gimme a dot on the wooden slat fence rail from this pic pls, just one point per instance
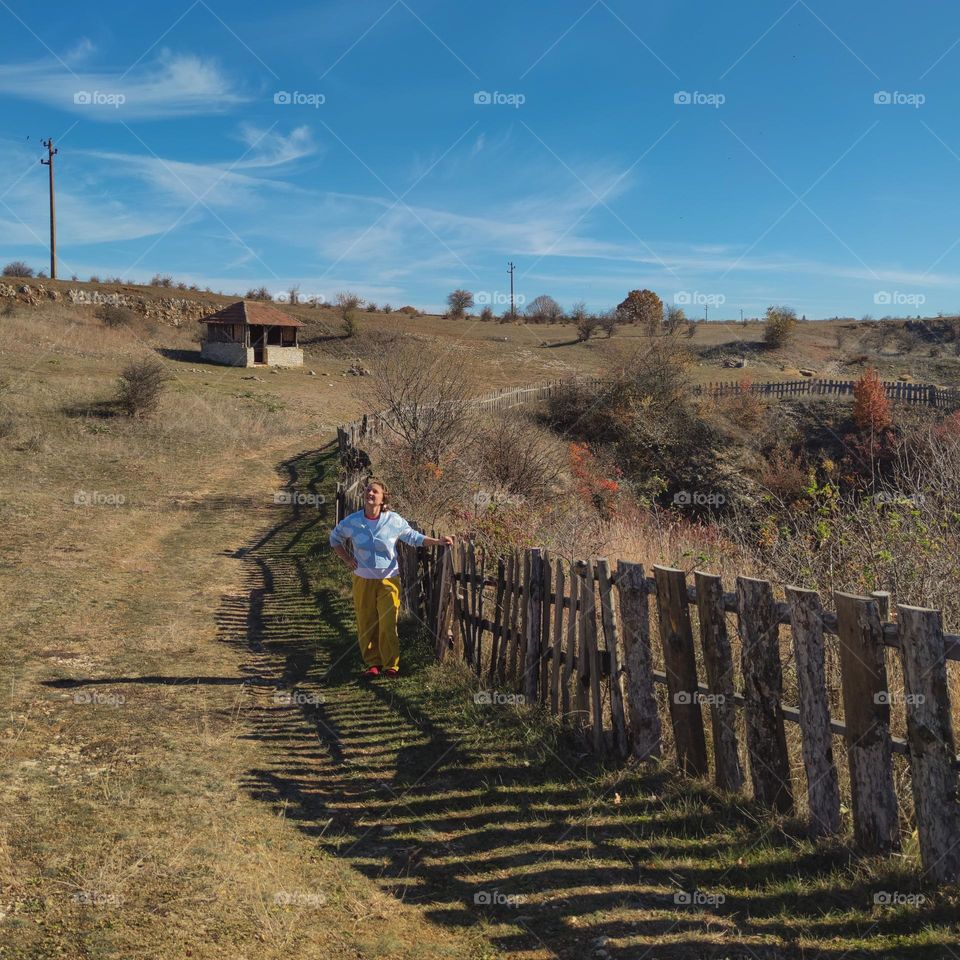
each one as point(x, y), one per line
point(575, 638)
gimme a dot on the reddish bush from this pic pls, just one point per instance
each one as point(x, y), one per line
point(593, 483)
point(871, 407)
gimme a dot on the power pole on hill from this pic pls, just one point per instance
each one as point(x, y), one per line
point(513, 308)
point(51, 153)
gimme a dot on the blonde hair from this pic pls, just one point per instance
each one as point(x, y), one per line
point(377, 482)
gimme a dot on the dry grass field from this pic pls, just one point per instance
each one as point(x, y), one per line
point(190, 769)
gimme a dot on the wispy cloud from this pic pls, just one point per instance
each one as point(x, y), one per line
point(174, 85)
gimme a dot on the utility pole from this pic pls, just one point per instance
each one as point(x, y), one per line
point(706, 312)
point(513, 309)
point(51, 153)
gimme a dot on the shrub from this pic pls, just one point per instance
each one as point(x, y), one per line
point(258, 293)
point(114, 315)
point(17, 268)
point(347, 304)
point(161, 280)
point(372, 307)
point(459, 302)
point(871, 406)
point(387, 308)
point(94, 279)
point(608, 322)
point(780, 324)
point(486, 313)
point(141, 386)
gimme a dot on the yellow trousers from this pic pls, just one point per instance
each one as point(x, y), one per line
point(377, 603)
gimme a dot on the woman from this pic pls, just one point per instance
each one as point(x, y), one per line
point(374, 532)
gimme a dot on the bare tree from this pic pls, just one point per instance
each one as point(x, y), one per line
point(544, 309)
point(459, 302)
point(294, 295)
point(607, 321)
point(17, 268)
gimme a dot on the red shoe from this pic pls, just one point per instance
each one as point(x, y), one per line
point(372, 672)
point(392, 672)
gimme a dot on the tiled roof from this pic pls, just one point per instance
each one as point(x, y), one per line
point(252, 312)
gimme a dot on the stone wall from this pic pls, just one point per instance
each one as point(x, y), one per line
point(284, 356)
point(227, 354)
point(176, 311)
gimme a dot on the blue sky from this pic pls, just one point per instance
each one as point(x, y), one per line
point(724, 155)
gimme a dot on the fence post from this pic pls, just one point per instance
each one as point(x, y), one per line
point(570, 658)
point(445, 587)
point(645, 731)
point(823, 787)
point(546, 651)
point(763, 694)
point(557, 640)
point(496, 634)
point(533, 624)
point(676, 637)
point(589, 601)
point(930, 735)
point(612, 639)
point(718, 661)
point(866, 709)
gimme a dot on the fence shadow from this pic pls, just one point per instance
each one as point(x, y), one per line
point(492, 822)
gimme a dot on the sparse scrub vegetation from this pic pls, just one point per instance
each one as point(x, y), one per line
point(17, 268)
point(458, 303)
point(779, 327)
point(141, 386)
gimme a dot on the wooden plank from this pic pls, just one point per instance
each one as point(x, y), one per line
point(497, 633)
point(570, 655)
point(478, 604)
point(823, 786)
point(533, 624)
point(588, 598)
point(930, 735)
point(763, 694)
point(507, 651)
point(516, 616)
point(557, 639)
point(582, 700)
point(718, 660)
point(676, 636)
point(645, 731)
point(546, 570)
point(444, 604)
point(461, 603)
point(866, 711)
point(612, 641)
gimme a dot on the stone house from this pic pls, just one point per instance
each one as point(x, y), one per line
point(248, 332)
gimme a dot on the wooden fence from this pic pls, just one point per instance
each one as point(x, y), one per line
point(578, 638)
